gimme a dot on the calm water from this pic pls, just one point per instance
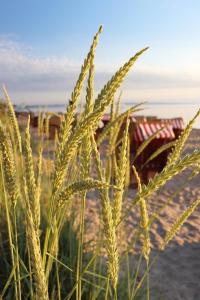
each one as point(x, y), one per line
point(186, 111)
point(159, 109)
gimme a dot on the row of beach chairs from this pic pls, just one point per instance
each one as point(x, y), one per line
point(140, 130)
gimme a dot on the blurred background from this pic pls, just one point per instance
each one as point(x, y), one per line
point(43, 44)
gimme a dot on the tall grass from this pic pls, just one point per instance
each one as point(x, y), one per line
point(45, 253)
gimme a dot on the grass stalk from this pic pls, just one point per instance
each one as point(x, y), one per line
point(9, 225)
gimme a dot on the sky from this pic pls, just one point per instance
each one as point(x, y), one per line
point(43, 44)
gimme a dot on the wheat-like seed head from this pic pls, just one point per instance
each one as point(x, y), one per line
point(127, 179)
point(80, 186)
point(66, 125)
point(179, 222)
point(86, 144)
point(71, 147)
point(120, 178)
point(91, 121)
point(13, 120)
point(9, 167)
point(64, 153)
point(179, 144)
point(110, 238)
point(39, 123)
point(85, 156)
point(30, 178)
point(160, 179)
point(113, 84)
point(108, 224)
point(90, 85)
point(117, 110)
point(195, 171)
point(119, 119)
point(144, 218)
point(114, 130)
point(38, 187)
point(111, 140)
point(47, 125)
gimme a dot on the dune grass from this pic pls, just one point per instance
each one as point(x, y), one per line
point(44, 249)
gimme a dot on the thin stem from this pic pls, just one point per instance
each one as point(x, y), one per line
point(80, 248)
point(30, 272)
point(17, 252)
point(148, 287)
point(10, 235)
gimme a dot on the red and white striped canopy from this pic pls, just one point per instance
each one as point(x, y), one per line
point(177, 123)
point(145, 130)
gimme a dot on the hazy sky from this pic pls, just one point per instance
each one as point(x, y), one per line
point(43, 43)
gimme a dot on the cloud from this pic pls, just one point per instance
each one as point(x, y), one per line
point(18, 64)
point(33, 79)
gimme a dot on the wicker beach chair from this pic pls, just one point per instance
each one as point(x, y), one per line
point(142, 131)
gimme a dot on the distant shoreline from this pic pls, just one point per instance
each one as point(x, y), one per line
point(160, 109)
point(123, 104)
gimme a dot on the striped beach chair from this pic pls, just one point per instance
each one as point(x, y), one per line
point(177, 124)
point(142, 131)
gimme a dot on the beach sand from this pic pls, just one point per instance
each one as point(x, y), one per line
point(176, 273)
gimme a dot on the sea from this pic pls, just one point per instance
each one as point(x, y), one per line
point(186, 110)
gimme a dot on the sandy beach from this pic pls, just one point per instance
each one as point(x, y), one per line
point(176, 272)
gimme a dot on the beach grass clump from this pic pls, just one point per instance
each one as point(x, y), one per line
point(45, 249)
